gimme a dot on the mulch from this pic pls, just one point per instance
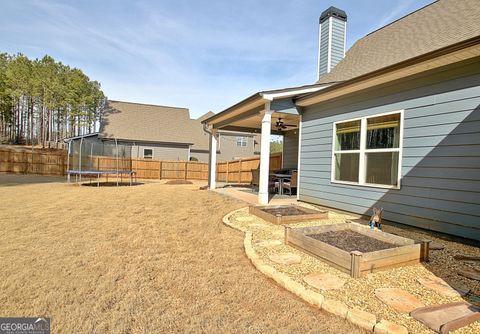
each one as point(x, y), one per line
point(352, 241)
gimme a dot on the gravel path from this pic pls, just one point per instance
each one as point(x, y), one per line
point(147, 259)
point(360, 293)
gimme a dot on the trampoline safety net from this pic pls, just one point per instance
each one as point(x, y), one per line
point(92, 155)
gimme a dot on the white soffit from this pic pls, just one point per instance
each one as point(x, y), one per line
point(272, 96)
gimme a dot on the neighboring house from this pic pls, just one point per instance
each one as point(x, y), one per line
point(232, 144)
point(396, 124)
point(155, 132)
point(167, 133)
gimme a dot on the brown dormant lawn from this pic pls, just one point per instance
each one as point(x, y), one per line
point(145, 259)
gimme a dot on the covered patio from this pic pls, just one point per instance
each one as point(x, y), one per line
point(268, 113)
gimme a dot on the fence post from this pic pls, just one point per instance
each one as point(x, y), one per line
point(226, 177)
point(64, 164)
point(186, 170)
point(239, 171)
point(160, 170)
point(25, 154)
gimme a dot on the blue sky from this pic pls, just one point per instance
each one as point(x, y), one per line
point(204, 55)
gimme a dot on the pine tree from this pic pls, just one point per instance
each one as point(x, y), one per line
point(43, 100)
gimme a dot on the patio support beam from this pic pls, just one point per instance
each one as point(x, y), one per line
point(213, 160)
point(265, 154)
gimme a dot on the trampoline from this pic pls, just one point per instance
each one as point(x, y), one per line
point(92, 158)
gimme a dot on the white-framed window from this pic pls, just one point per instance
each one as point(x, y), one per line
point(242, 141)
point(148, 153)
point(367, 151)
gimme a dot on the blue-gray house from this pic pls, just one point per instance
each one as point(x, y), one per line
point(395, 124)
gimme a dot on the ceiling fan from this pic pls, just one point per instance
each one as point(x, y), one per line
point(282, 126)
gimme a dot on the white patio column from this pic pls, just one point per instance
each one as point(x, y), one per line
point(213, 160)
point(265, 155)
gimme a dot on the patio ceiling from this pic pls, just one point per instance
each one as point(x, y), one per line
point(253, 123)
point(247, 114)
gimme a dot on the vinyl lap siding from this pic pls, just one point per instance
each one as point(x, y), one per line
point(338, 40)
point(200, 155)
point(440, 186)
point(227, 145)
point(323, 62)
point(290, 149)
point(161, 151)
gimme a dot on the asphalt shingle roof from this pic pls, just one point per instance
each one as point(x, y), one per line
point(145, 122)
point(438, 25)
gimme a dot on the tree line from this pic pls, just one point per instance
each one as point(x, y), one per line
point(44, 101)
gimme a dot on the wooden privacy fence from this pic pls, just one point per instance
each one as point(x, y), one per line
point(32, 162)
point(158, 169)
point(45, 162)
point(240, 170)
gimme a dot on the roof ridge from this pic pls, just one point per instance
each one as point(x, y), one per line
point(400, 18)
point(148, 104)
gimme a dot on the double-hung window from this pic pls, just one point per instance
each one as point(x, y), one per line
point(367, 151)
point(242, 141)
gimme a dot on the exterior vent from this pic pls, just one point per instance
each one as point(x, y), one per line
point(331, 39)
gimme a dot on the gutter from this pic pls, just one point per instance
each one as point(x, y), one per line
point(205, 127)
point(207, 130)
point(268, 96)
point(81, 136)
point(244, 101)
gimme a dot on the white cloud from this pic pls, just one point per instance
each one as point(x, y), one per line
point(201, 55)
point(403, 7)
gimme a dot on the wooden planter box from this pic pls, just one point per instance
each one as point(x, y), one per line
point(357, 263)
point(307, 214)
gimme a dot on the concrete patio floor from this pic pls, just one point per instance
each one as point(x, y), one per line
point(247, 195)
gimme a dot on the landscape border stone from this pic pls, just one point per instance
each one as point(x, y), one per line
point(357, 317)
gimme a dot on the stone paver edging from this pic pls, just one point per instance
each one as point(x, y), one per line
point(358, 317)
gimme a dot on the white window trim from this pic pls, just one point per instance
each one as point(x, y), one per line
point(241, 140)
point(362, 152)
point(147, 148)
point(329, 51)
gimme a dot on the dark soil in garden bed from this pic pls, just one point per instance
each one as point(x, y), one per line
point(285, 211)
point(348, 240)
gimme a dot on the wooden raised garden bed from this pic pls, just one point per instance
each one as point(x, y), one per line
point(356, 249)
point(286, 214)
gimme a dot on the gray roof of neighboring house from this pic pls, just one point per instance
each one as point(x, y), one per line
point(438, 25)
point(201, 138)
point(146, 122)
point(205, 116)
point(153, 123)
